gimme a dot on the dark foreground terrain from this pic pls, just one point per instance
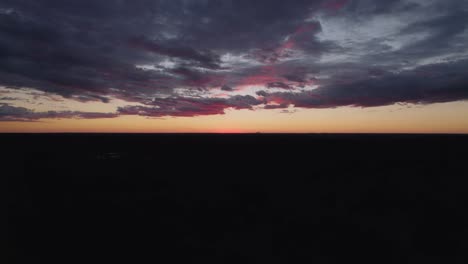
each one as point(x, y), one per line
point(236, 198)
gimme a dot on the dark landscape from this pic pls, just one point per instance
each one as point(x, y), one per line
point(273, 198)
point(230, 68)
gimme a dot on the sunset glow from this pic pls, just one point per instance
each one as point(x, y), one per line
point(323, 66)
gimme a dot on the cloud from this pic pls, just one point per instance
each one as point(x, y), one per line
point(189, 107)
point(13, 113)
point(6, 98)
point(202, 59)
point(227, 88)
point(280, 85)
point(280, 106)
point(444, 82)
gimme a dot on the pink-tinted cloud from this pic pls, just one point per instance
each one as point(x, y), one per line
point(270, 74)
point(188, 107)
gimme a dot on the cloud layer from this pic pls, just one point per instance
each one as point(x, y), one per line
point(191, 58)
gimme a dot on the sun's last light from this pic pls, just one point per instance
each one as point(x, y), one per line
point(434, 118)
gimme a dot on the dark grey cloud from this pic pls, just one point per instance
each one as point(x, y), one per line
point(204, 59)
point(439, 83)
point(13, 113)
point(280, 106)
point(280, 85)
point(65, 46)
point(97, 50)
point(365, 8)
point(227, 88)
point(6, 98)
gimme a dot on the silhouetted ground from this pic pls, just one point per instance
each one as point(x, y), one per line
point(236, 198)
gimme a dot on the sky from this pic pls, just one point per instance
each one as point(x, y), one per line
point(234, 66)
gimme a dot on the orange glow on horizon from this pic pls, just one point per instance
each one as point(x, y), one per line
point(435, 118)
point(228, 131)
